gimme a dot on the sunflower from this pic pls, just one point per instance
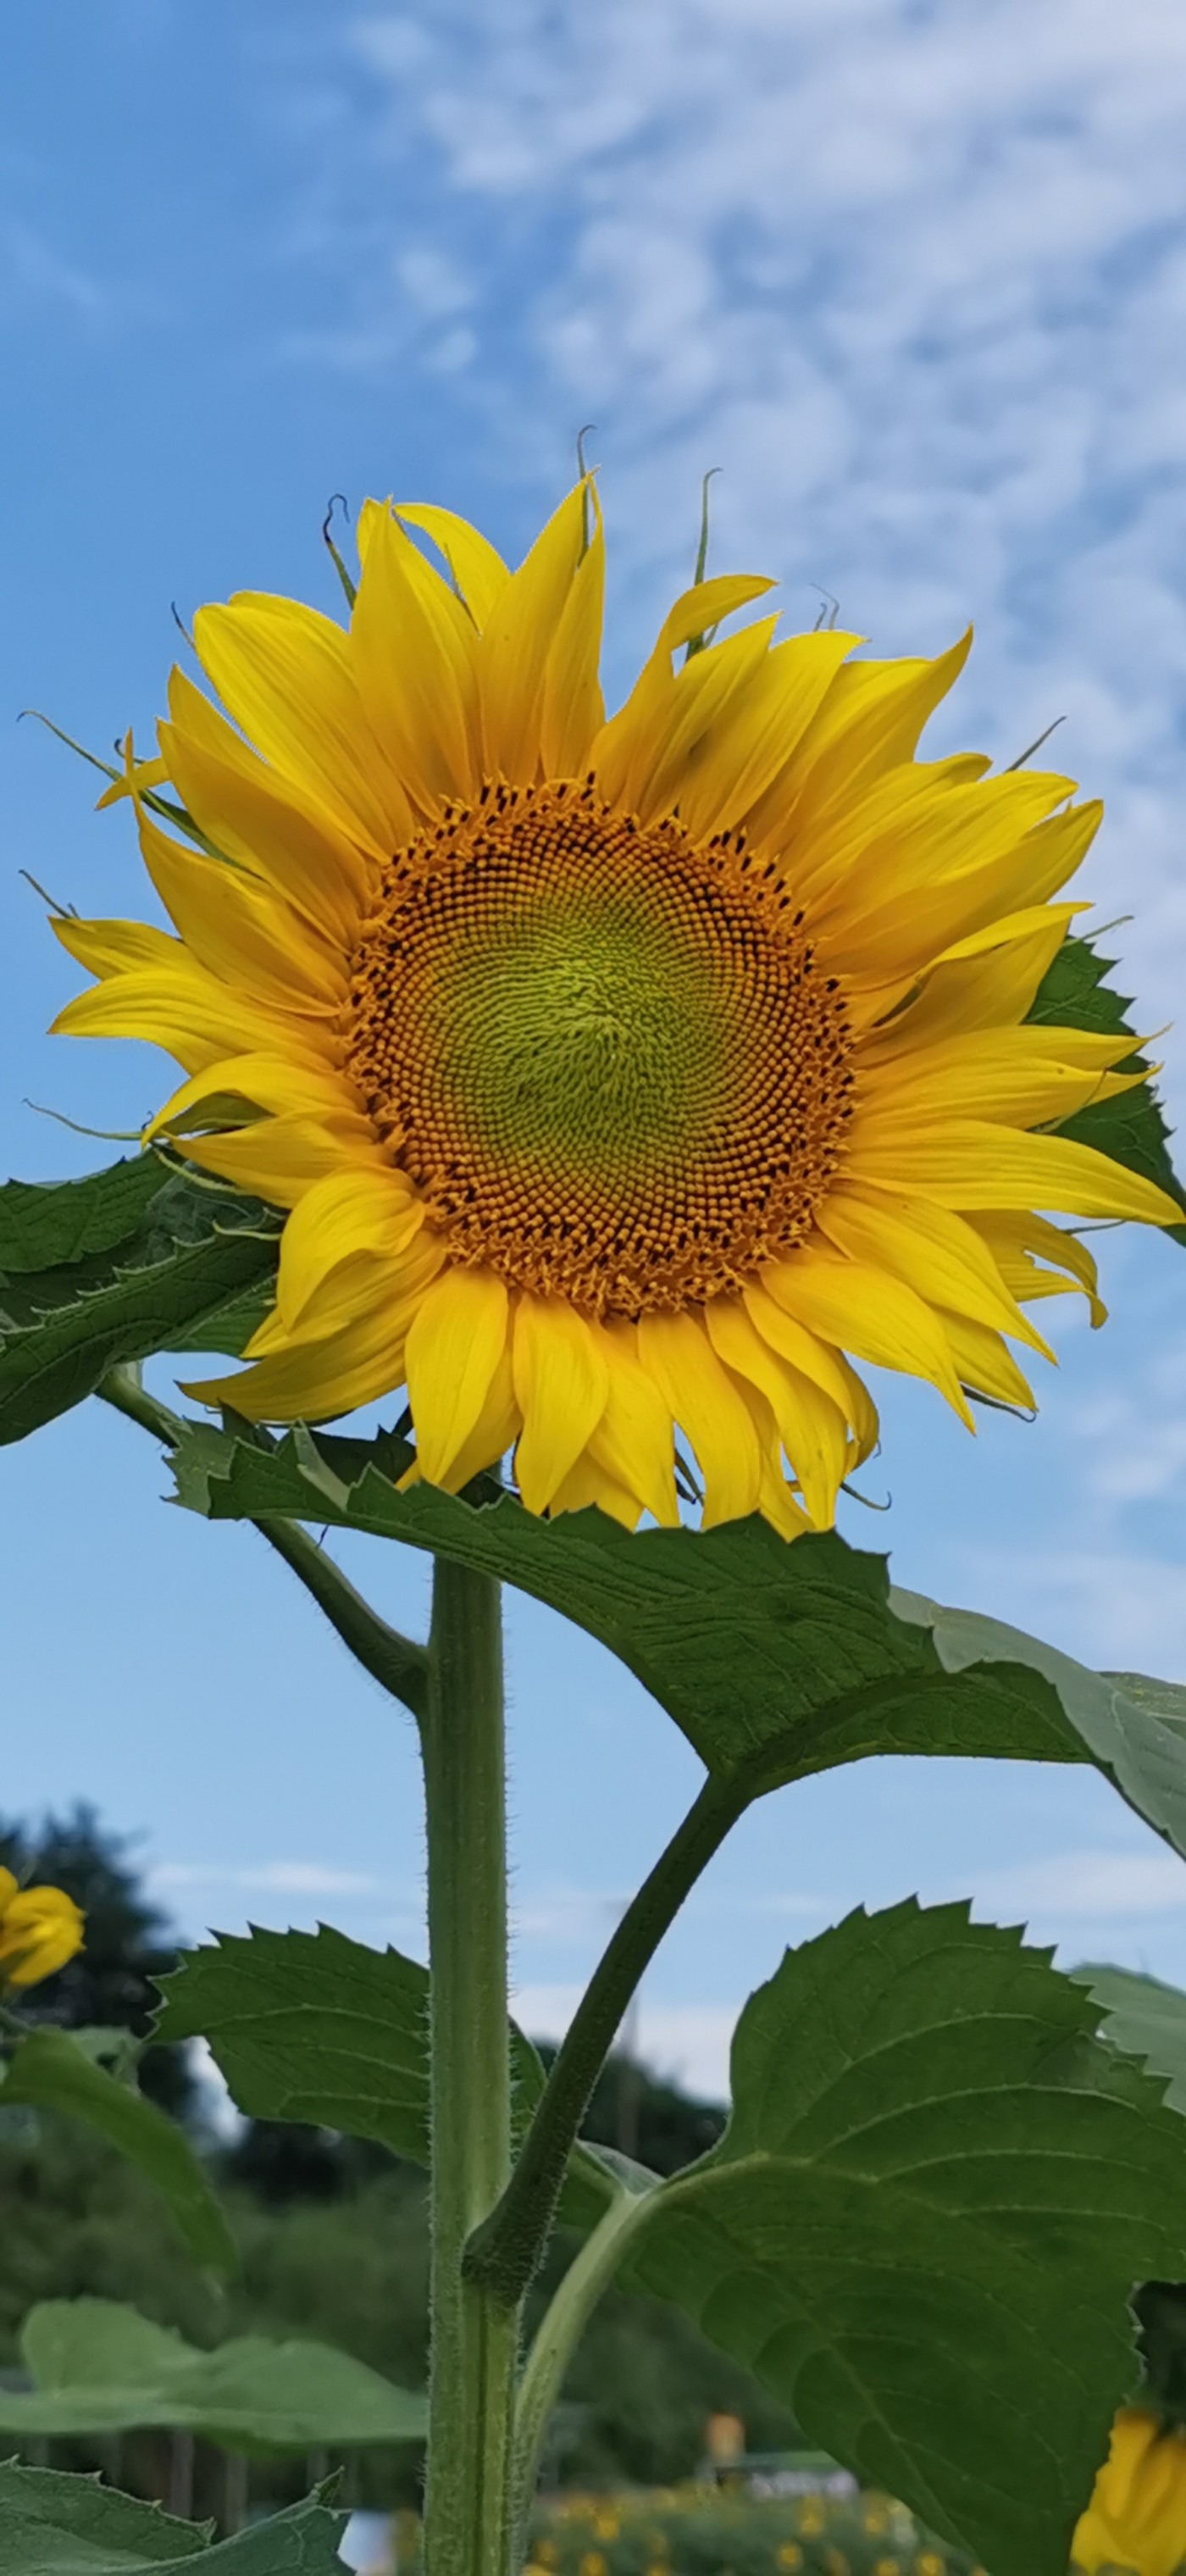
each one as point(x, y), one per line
point(620, 1080)
point(1135, 2524)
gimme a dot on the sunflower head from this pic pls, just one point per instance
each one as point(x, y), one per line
point(41, 1928)
point(622, 1082)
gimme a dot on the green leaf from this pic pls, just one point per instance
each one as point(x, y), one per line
point(53, 2524)
point(136, 1260)
point(311, 2026)
point(775, 1660)
point(1130, 1128)
point(97, 2367)
point(925, 2218)
point(48, 2072)
point(1144, 2017)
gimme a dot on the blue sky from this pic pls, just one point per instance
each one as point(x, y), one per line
point(914, 277)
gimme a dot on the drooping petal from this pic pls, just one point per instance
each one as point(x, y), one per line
point(811, 1426)
point(239, 931)
point(865, 1311)
point(1019, 1243)
point(934, 1251)
point(280, 1158)
point(634, 1440)
point(455, 1346)
point(702, 1400)
point(363, 1210)
point(562, 1387)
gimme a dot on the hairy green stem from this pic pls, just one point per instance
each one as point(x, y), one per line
point(396, 1662)
point(557, 2337)
point(507, 2249)
point(474, 2336)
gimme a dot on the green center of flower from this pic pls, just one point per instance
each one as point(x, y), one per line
point(604, 1053)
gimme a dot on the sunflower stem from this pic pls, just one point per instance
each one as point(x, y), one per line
point(468, 2503)
point(505, 2252)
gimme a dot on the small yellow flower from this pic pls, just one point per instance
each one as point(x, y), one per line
point(607, 2524)
point(811, 2517)
point(40, 1928)
point(929, 2563)
point(594, 2563)
point(790, 2556)
point(875, 2520)
point(887, 2567)
point(1136, 2520)
point(836, 2564)
point(546, 2553)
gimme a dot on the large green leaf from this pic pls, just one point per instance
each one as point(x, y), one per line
point(49, 2072)
point(924, 2221)
point(130, 1261)
point(311, 2026)
point(97, 2367)
point(1131, 1128)
point(1144, 2017)
point(775, 1660)
point(53, 2524)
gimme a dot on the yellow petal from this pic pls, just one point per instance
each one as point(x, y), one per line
point(590, 1483)
point(520, 633)
point(454, 1348)
point(572, 711)
point(810, 1426)
point(985, 1364)
point(8, 1888)
point(192, 1015)
point(269, 1082)
point(701, 1398)
point(478, 571)
point(240, 932)
point(883, 936)
point(869, 723)
point(633, 733)
point(930, 1248)
point(304, 858)
point(139, 775)
point(115, 947)
point(990, 985)
point(280, 1158)
point(962, 1163)
point(1024, 1077)
point(286, 675)
point(704, 697)
point(496, 1430)
point(634, 1441)
point(760, 731)
point(1019, 1242)
point(363, 1210)
point(317, 1380)
point(414, 653)
point(864, 1310)
point(562, 1385)
point(367, 1284)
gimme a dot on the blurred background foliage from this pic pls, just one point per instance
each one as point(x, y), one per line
point(332, 2231)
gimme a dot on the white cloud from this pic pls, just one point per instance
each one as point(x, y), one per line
point(1100, 1886)
point(273, 1877)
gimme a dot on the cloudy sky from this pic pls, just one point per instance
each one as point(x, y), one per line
point(912, 274)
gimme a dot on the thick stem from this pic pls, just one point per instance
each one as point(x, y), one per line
point(474, 2335)
point(558, 2335)
point(505, 2253)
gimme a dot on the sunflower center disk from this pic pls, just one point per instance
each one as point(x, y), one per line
point(605, 1054)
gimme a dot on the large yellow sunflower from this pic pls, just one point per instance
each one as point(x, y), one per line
point(620, 1078)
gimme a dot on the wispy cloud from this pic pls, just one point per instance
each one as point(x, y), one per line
point(36, 279)
point(1068, 1887)
point(273, 1877)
